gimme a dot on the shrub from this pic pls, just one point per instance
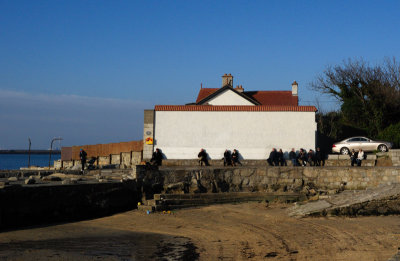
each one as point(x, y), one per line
point(392, 134)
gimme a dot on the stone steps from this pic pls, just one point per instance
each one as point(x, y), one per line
point(177, 201)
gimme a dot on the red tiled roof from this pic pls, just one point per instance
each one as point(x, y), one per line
point(204, 92)
point(233, 108)
point(274, 97)
point(263, 97)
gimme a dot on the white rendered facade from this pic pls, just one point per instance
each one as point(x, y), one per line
point(181, 134)
point(229, 97)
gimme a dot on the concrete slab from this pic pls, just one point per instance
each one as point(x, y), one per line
point(381, 200)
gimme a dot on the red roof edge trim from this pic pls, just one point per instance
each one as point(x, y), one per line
point(234, 108)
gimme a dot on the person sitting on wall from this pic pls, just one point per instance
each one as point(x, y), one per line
point(281, 158)
point(235, 158)
point(82, 156)
point(91, 163)
point(157, 157)
point(353, 157)
point(303, 157)
point(203, 158)
point(293, 157)
point(311, 157)
point(227, 158)
point(273, 158)
point(319, 157)
point(360, 157)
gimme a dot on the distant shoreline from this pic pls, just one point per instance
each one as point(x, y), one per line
point(27, 152)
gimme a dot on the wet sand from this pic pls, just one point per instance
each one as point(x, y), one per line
point(248, 231)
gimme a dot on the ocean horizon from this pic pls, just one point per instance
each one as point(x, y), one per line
point(17, 161)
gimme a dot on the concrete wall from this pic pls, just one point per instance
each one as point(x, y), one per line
point(115, 159)
point(181, 134)
point(72, 153)
point(124, 160)
point(148, 132)
point(229, 98)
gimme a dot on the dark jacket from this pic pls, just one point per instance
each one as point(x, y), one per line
point(292, 155)
point(82, 155)
point(202, 155)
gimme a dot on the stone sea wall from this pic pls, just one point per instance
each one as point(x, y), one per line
point(262, 178)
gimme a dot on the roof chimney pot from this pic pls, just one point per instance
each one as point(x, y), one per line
point(227, 80)
point(239, 88)
point(295, 87)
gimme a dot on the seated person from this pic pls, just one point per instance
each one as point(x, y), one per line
point(360, 157)
point(281, 158)
point(319, 157)
point(235, 157)
point(311, 157)
point(353, 157)
point(303, 157)
point(203, 158)
point(273, 158)
point(156, 158)
point(293, 157)
point(227, 158)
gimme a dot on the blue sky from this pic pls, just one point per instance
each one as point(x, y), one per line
point(86, 70)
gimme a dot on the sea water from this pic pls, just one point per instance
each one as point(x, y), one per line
point(17, 161)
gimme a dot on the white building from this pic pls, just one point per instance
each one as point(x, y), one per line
point(252, 122)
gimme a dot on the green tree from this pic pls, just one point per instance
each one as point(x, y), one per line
point(369, 95)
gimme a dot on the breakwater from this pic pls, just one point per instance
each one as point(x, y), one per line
point(23, 205)
point(31, 152)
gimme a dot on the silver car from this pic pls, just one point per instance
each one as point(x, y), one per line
point(356, 143)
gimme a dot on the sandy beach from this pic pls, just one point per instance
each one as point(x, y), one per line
point(248, 231)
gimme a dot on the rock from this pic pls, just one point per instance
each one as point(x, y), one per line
point(12, 179)
point(69, 181)
point(30, 181)
point(312, 192)
point(332, 192)
point(77, 167)
point(51, 178)
point(314, 198)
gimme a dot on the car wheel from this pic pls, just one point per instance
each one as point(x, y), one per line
point(382, 148)
point(344, 151)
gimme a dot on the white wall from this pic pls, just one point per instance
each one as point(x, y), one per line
point(181, 134)
point(229, 97)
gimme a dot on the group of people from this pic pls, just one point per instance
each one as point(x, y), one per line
point(303, 158)
point(230, 159)
point(357, 157)
point(276, 158)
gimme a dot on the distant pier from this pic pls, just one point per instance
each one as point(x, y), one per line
point(27, 151)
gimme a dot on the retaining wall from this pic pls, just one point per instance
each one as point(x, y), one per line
point(262, 178)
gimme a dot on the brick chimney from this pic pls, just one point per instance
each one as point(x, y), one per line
point(239, 88)
point(227, 79)
point(295, 87)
